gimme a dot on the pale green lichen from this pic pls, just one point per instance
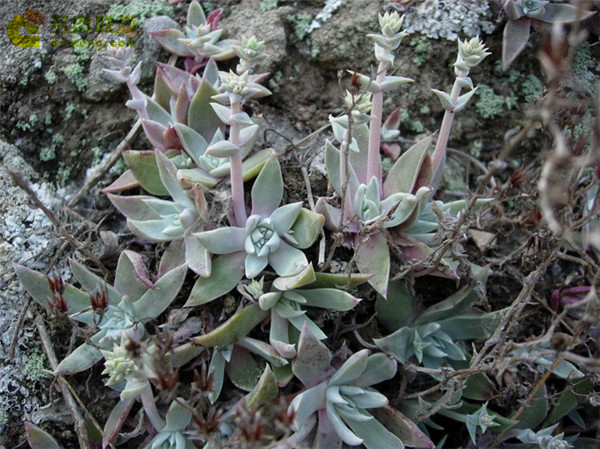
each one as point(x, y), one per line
point(490, 104)
point(50, 77)
point(58, 139)
point(532, 88)
point(74, 73)
point(268, 5)
point(69, 109)
point(35, 364)
point(141, 9)
point(47, 154)
point(421, 46)
point(300, 24)
point(63, 173)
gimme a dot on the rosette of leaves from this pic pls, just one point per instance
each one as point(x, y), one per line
point(524, 13)
point(173, 434)
point(341, 404)
point(108, 310)
point(175, 221)
point(272, 235)
point(200, 39)
point(432, 336)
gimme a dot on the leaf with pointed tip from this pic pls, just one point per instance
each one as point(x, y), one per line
point(81, 359)
point(393, 82)
point(223, 240)
point(234, 329)
point(373, 257)
point(155, 133)
point(267, 190)
point(402, 427)
point(115, 421)
point(307, 228)
point(307, 403)
point(313, 360)
point(463, 100)
point(143, 166)
point(195, 15)
point(222, 148)
point(264, 350)
point(329, 298)
point(197, 257)
point(379, 368)
point(287, 260)
point(194, 144)
point(341, 428)
point(445, 99)
point(339, 280)
point(303, 278)
point(514, 39)
point(405, 172)
point(169, 40)
point(398, 309)
point(201, 115)
point(168, 176)
point(39, 439)
point(216, 367)
point(124, 182)
point(242, 369)
point(155, 301)
point(563, 13)
point(351, 369)
point(132, 278)
point(466, 327)
point(265, 390)
point(332, 215)
point(38, 287)
point(92, 283)
point(157, 114)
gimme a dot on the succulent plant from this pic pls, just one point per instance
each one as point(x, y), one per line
point(340, 401)
point(269, 236)
point(523, 13)
point(200, 40)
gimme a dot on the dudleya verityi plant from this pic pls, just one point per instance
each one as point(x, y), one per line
point(342, 404)
point(269, 236)
point(200, 40)
point(109, 310)
point(522, 14)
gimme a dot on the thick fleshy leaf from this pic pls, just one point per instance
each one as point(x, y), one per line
point(300, 321)
point(38, 287)
point(373, 257)
point(81, 359)
point(39, 439)
point(287, 260)
point(242, 369)
point(201, 116)
point(307, 228)
point(157, 114)
point(313, 360)
point(405, 172)
point(563, 13)
point(472, 326)
point(341, 428)
point(362, 398)
point(194, 144)
point(223, 240)
point(402, 427)
point(326, 438)
point(222, 148)
point(193, 176)
point(445, 99)
point(92, 283)
point(138, 208)
point(234, 329)
point(169, 40)
point(115, 421)
point(307, 403)
point(155, 133)
point(514, 39)
point(462, 101)
point(399, 207)
point(226, 272)
point(329, 298)
point(266, 389)
point(197, 257)
point(339, 280)
point(155, 301)
point(279, 336)
point(195, 14)
point(267, 190)
point(124, 182)
point(283, 217)
point(132, 278)
point(178, 416)
point(254, 265)
point(332, 215)
point(168, 175)
point(305, 277)
point(262, 349)
point(152, 230)
point(375, 435)
point(351, 369)
point(143, 166)
point(379, 368)
point(216, 367)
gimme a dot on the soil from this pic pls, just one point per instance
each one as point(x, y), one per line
point(308, 78)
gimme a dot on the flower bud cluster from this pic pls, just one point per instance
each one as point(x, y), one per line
point(235, 85)
point(390, 37)
point(250, 53)
point(118, 362)
point(470, 54)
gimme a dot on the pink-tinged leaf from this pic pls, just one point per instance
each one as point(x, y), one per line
point(115, 421)
point(312, 364)
point(190, 177)
point(406, 430)
point(223, 240)
point(38, 438)
point(163, 91)
point(514, 39)
point(175, 79)
point(169, 40)
point(332, 215)
point(214, 18)
point(326, 438)
point(391, 150)
point(124, 182)
point(132, 278)
point(93, 283)
point(226, 272)
point(351, 369)
point(143, 166)
point(155, 133)
point(155, 301)
point(373, 257)
point(358, 159)
point(410, 169)
point(563, 13)
point(340, 280)
point(134, 207)
point(235, 328)
point(182, 104)
point(197, 257)
point(171, 140)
